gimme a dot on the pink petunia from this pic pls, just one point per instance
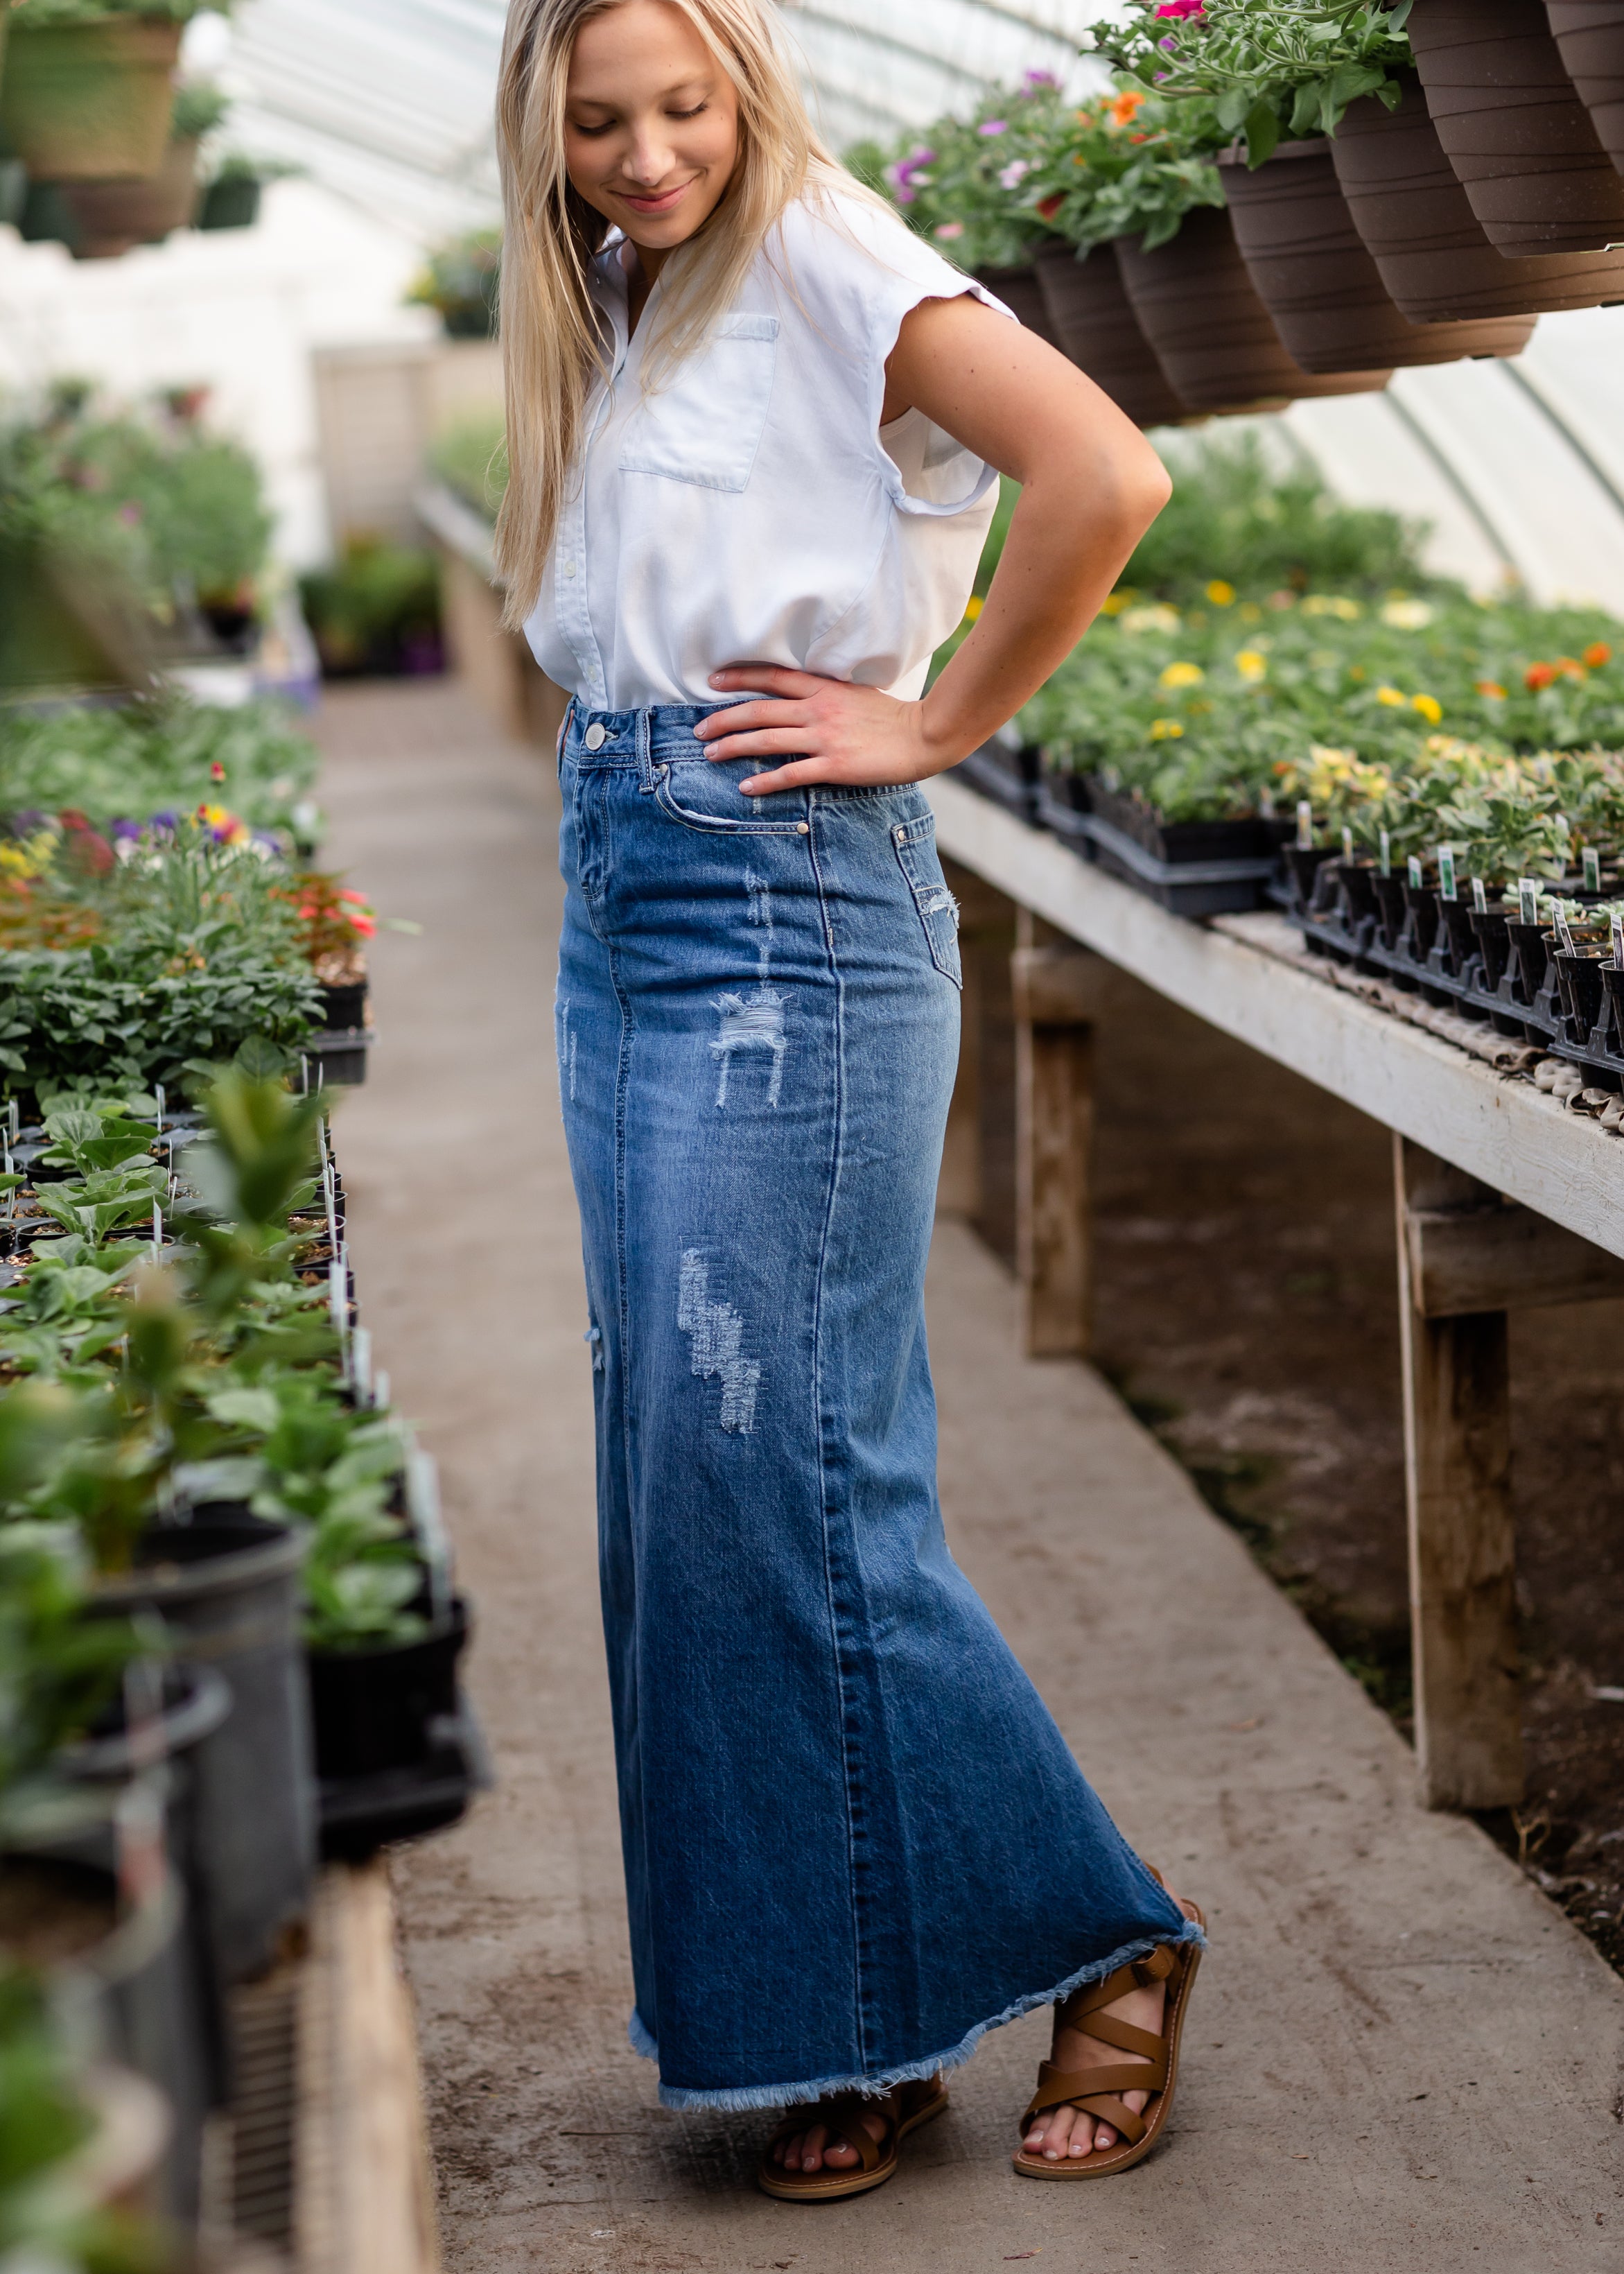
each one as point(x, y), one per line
point(994, 126)
point(1183, 8)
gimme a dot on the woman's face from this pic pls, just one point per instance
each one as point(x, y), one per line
point(652, 122)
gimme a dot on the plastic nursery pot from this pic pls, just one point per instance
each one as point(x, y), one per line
point(1213, 338)
point(1303, 866)
point(1613, 982)
point(1456, 917)
point(110, 217)
point(1579, 984)
point(1494, 944)
point(90, 101)
point(1092, 322)
point(1514, 130)
point(343, 1008)
point(373, 1708)
point(1021, 293)
point(1590, 38)
point(231, 202)
point(1532, 944)
point(1421, 904)
point(1389, 891)
point(1321, 287)
point(1356, 881)
point(122, 1980)
point(227, 1587)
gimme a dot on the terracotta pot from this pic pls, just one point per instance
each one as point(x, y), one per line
point(1417, 220)
point(90, 102)
point(1515, 131)
point(1020, 292)
point(1321, 285)
point(1094, 322)
point(1211, 334)
point(110, 217)
point(1590, 38)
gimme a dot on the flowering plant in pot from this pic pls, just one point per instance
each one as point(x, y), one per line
point(88, 91)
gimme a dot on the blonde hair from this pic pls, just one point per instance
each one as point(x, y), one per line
point(551, 335)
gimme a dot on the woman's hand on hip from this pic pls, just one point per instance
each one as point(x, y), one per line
point(826, 729)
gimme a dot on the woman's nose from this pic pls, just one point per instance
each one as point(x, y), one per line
point(649, 159)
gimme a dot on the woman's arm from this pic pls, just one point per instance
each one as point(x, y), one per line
point(1090, 486)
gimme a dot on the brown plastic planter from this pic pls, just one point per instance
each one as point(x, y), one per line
point(92, 102)
point(112, 216)
point(1589, 37)
point(1092, 322)
point(1211, 334)
point(1515, 131)
point(1321, 285)
point(1429, 246)
point(1021, 293)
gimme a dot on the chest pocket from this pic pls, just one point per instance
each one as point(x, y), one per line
point(704, 425)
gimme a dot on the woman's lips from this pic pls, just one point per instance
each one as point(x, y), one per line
point(663, 203)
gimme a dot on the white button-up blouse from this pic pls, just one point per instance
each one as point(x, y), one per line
point(750, 507)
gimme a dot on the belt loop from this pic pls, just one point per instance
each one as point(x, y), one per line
point(645, 748)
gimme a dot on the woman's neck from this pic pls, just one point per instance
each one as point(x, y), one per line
point(642, 269)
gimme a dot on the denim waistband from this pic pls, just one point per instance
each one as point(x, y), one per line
point(625, 738)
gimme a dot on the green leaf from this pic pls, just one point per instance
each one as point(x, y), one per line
point(1262, 133)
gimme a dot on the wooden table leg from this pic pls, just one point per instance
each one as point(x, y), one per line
point(1056, 990)
point(1463, 1556)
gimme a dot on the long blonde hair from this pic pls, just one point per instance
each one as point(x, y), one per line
point(550, 331)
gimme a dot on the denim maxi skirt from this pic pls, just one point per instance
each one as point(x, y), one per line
point(854, 1838)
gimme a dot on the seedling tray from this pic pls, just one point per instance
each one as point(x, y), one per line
point(1009, 777)
point(359, 1815)
point(1183, 877)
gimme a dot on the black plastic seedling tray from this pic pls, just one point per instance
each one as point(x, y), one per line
point(1191, 869)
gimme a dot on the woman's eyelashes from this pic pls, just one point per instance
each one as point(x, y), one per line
point(603, 125)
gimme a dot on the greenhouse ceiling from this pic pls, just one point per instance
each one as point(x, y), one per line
point(388, 102)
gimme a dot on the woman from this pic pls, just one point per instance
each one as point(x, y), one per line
point(755, 429)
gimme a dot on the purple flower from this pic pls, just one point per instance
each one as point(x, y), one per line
point(126, 828)
point(1036, 79)
point(25, 824)
point(167, 819)
point(994, 126)
point(1012, 176)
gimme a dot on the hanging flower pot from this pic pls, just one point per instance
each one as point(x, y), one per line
point(1417, 220)
point(1589, 36)
point(1211, 334)
point(1022, 295)
point(113, 217)
point(1321, 285)
point(1515, 131)
point(1092, 322)
point(90, 101)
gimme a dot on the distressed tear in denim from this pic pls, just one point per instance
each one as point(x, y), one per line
point(854, 1840)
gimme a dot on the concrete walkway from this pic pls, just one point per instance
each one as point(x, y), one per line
point(1400, 2056)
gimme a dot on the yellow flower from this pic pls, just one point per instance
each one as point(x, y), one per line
point(1114, 603)
point(973, 608)
point(1251, 665)
point(1406, 615)
point(1329, 604)
point(1181, 674)
point(1165, 730)
point(1156, 617)
point(16, 862)
point(215, 816)
point(1431, 709)
point(1250, 613)
point(1220, 594)
point(1391, 697)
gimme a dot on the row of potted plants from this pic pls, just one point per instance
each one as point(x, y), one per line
point(1282, 198)
point(234, 1633)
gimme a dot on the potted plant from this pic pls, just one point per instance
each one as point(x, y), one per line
point(111, 216)
point(462, 281)
point(376, 611)
point(231, 196)
point(1514, 127)
point(1434, 257)
point(1273, 71)
point(88, 89)
point(1589, 36)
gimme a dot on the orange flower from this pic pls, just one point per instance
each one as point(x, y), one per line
point(1491, 687)
point(1538, 675)
point(1126, 109)
point(1570, 667)
point(1598, 654)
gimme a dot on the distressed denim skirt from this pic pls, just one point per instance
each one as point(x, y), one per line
point(854, 1838)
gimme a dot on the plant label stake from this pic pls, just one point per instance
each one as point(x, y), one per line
point(380, 1390)
point(1592, 869)
point(1305, 825)
point(338, 1304)
point(423, 1510)
point(15, 1120)
point(1618, 941)
point(1446, 872)
point(1528, 899)
point(157, 1231)
point(1416, 878)
point(1480, 898)
point(361, 1365)
point(1564, 934)
point(1386, 853)
point(158, 1093)
point(304, 1075)
point(1347, 842)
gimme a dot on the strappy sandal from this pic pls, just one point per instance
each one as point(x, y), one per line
point(841, 2117)
point(1095, 2091)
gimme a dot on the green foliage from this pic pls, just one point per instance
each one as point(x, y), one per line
point(58, 1668)
point(471, 457)
point(1125, 165)
point(369, 612)
point(198, 108)
point(1233, 514)
point(960, 183)
point(462, 279)
point(160, 756)
point(1271, 67)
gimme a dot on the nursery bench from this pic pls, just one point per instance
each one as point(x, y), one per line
point(1504, 1199)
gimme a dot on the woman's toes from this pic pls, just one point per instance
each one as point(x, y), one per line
point(839, 2155)
point(1104, 2138)
point(1062, 2124)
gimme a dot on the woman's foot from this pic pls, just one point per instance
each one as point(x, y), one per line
point(812, 2150)
point(1066, 2134)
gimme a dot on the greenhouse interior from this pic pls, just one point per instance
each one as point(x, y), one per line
point(1275, 1277)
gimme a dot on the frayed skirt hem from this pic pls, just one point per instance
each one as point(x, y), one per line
point(882, 2081)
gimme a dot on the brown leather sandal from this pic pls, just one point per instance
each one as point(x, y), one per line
point(903, 2111)
point(1095, 2091)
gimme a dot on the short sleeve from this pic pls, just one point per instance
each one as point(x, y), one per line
point(856, 269)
